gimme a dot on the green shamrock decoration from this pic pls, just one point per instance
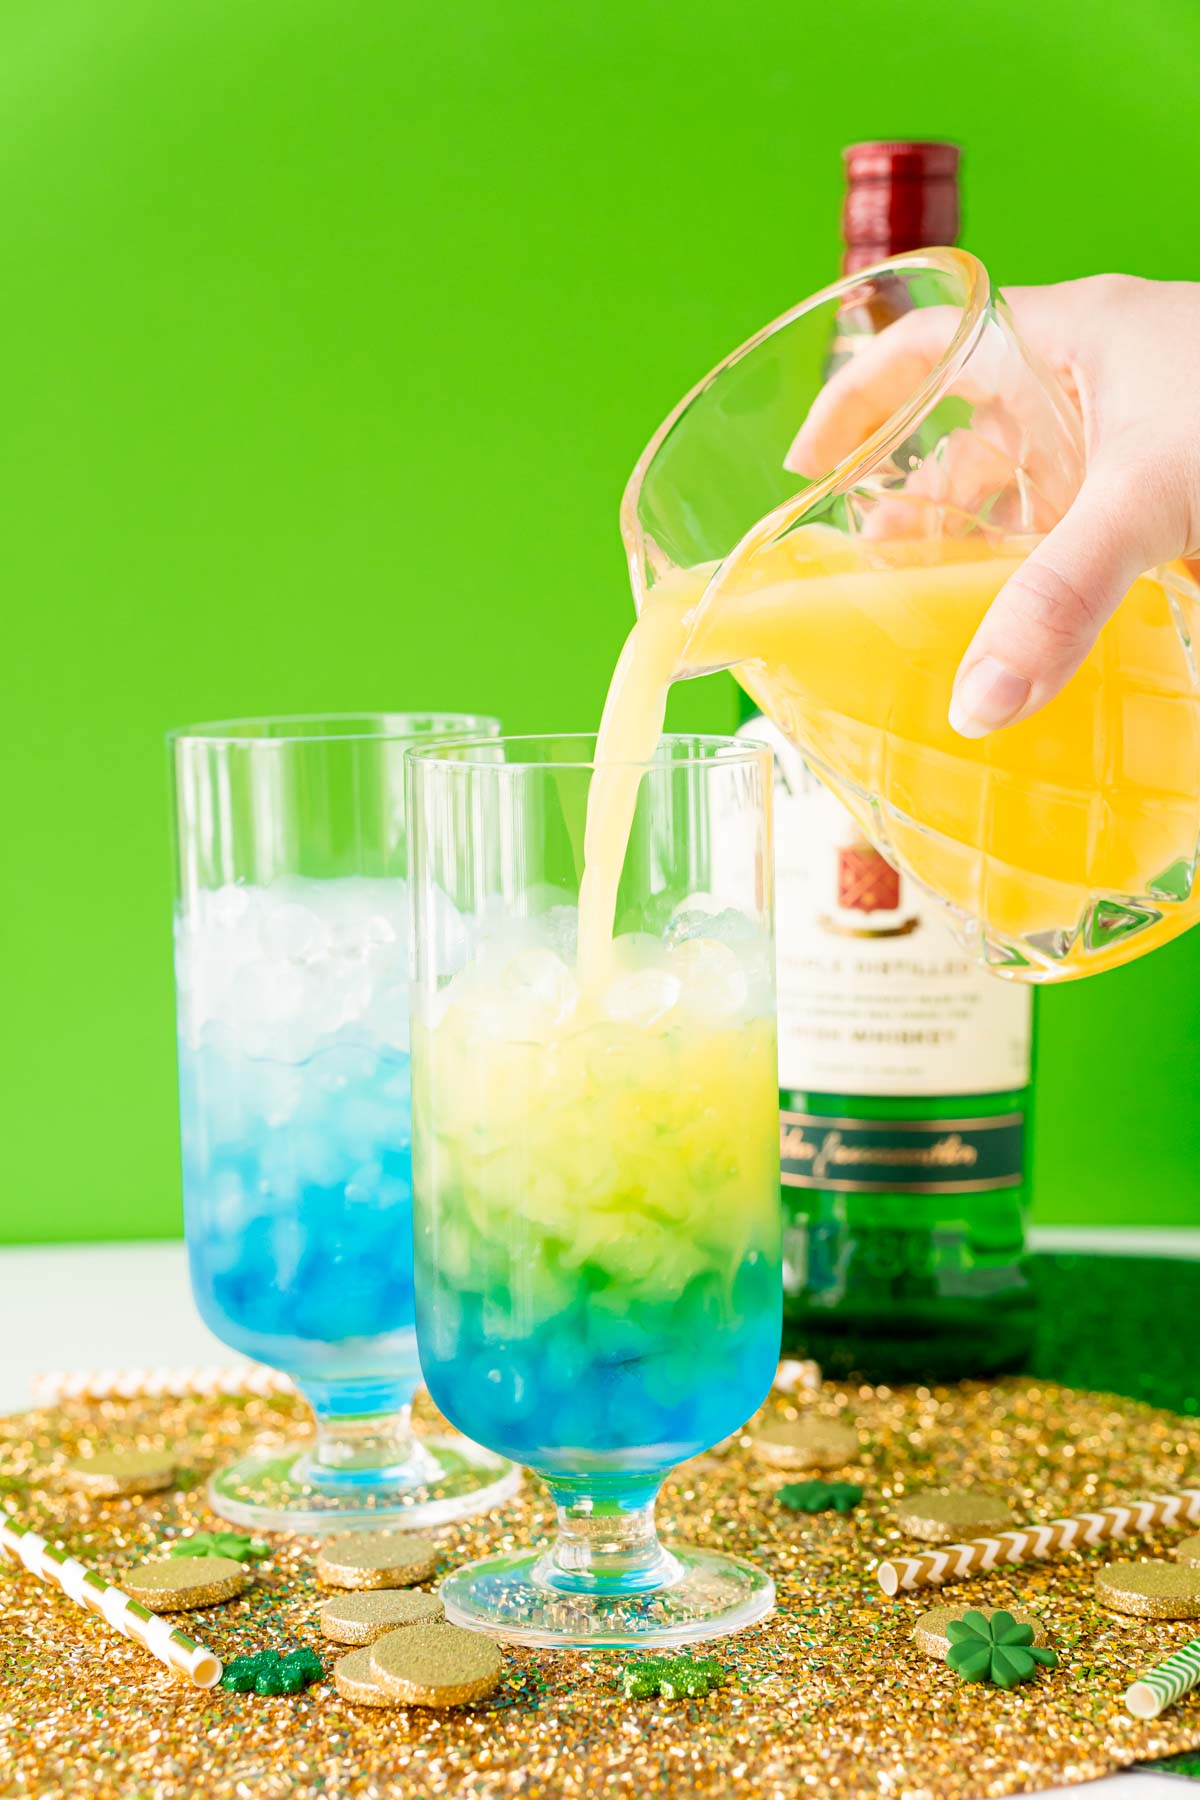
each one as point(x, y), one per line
point(820, 1496)
point(996, 1649)
point(672, 1677)
point(266, 1672)
point(220, 1543)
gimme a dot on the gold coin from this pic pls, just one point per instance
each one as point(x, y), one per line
point(949, 1518)
point(185, 1581)
point(435, 1665)
point(376, 1559)
point(112, 1472)
point(1152, 1590)
point(805, 1443)
point(1188, 1551)
point(929, 1632)
point(354, 1681)
point(361, 1618)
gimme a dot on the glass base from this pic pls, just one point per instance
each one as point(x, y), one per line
point(285, 1489)
point(705, 1595)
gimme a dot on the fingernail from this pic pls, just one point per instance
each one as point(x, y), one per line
point(986, 697)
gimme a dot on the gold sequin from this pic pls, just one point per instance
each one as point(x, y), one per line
point(436, 1665)
point(376, 1559)
point(361, 1618)
point(1189, 1552)
point(828, 1697)
point(1152, 1590)
point(951, 1518)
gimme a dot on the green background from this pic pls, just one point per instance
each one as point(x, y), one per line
point(329, 334)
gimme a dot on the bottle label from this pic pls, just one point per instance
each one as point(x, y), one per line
point(876, 996)
point(920, 1156)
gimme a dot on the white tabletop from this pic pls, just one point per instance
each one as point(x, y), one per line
point(127, 1306)
point(124, 1306)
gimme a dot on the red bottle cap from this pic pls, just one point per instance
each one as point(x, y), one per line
point(900, 195)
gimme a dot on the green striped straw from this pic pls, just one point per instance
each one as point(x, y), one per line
point(86, 1588)
point(1166, 1683)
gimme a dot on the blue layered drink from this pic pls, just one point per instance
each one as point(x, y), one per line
point(294, 1081)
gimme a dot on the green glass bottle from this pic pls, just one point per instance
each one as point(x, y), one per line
point(905, 1071)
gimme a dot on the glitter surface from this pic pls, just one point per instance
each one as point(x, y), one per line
point(829, 1697)
point(1119, 1324)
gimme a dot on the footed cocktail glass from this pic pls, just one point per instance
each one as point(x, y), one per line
point(831, 511)
point(596, 1162)
point(292, 947)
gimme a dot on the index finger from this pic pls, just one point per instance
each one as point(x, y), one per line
point(870, 387)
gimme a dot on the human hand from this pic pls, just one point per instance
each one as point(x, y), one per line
point(1128, 352)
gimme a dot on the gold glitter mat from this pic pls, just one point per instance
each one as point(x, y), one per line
point(829, 1696)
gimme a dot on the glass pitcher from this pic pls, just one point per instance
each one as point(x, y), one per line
point(838, 546)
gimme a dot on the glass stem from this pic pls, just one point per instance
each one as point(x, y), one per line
point(355, 1448)
point(348, 1445)
point(607, 1543)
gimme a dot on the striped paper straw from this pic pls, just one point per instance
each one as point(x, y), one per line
point(1166, 1683)
point(138, 1384)
point(86, 1588)
point(1034, 1543)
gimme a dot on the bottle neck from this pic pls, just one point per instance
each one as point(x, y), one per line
point(899, 196)
point(865, 255)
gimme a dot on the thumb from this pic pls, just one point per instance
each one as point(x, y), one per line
point(1047, 616)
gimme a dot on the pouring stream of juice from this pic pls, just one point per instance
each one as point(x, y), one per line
point(851, 648)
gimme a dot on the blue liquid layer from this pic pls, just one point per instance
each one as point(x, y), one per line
point(298, 1201)
point(603, 1384)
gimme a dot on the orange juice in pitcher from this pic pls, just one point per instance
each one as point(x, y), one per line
point(844, 597)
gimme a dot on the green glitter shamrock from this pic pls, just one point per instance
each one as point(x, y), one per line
point(266, 1672)
point(672, 1677)
point(220, 1543)
point(996, 1649)
point(820, 1496)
